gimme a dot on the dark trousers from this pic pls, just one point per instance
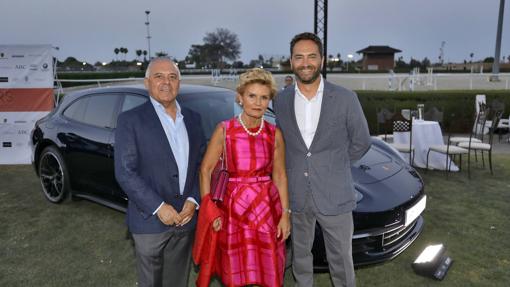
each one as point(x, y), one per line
point(337, 231)
point(163, 259)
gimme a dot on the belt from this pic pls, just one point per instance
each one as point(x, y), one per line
point(250, 179)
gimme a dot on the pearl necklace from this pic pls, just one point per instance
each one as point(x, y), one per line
point(247, 130)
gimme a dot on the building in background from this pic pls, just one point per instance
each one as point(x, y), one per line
point(378, 58)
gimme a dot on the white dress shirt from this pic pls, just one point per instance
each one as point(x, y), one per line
point(308, 112)
point(177, 137)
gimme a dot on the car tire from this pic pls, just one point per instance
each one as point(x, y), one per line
point(53, 175)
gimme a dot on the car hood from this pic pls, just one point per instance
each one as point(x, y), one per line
point(384, 181)
point(376, 165)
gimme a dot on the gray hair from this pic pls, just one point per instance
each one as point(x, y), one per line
point(161, 59)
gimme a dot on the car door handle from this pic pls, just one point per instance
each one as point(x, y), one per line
point(72, 137)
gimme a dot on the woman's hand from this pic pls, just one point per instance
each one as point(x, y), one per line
point(217, 224)
point(284, 227)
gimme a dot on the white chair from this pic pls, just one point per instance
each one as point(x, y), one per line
point(483, 147)
point(504, 124)
point(448, 150)
point(478, 130)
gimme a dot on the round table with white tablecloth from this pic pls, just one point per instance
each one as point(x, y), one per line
point(425, 134)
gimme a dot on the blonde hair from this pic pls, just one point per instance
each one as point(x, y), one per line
point(256, 76)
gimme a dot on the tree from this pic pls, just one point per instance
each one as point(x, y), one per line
point(508, 57)
point(121, 49)
point(488, 60)
point(238, 65)
point(124, 51)
point(401, 63)
point(144, 55)
point(471, 57)
point(116, 51)
point(138, 54)
point(414, 63)
point(425, 63)
point(226, 43)
point(161, 54)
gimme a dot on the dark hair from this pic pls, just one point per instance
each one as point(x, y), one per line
point(306, 36)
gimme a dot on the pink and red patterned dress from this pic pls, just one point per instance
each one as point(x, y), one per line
point(250, 253)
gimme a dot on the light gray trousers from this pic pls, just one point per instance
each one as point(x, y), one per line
point(337, 231)
point(163, 259)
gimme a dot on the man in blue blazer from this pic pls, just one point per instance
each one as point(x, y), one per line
point(158, 149)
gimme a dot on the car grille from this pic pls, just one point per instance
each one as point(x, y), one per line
point(381, 242)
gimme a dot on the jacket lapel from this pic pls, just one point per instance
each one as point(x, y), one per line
point(161, 144)
point(293, 119)
point(326, 110)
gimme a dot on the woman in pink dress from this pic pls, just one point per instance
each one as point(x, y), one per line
point(256, 214)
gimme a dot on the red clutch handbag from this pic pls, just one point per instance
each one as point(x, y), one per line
point(220, 175)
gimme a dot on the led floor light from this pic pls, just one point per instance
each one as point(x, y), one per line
point(432, 262)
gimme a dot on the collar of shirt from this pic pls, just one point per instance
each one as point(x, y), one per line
point(308, 113)
point(161, 110)
point(318, 95)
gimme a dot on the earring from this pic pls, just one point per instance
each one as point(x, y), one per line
point(241, 104)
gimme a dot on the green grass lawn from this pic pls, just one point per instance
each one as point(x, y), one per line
point(79, 243)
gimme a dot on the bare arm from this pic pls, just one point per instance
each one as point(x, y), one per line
point(280, 180)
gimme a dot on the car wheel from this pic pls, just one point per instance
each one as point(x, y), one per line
point(53, 175)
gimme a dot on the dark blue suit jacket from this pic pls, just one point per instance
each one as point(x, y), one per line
point(146, 169)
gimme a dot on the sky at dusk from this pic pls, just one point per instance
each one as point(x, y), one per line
point(90, 30)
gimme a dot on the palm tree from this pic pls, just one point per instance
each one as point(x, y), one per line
point(144, 55)
point(125, 53)
point(116, 51)
point(138, 54)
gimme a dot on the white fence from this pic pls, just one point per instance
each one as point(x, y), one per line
point(383, 82)
point(420, 82)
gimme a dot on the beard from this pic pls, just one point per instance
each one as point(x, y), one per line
point(307, 80)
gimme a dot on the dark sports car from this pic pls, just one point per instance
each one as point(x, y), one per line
point(73, 155)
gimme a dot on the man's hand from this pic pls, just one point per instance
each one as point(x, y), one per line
point(187, 212)
point(168, 215)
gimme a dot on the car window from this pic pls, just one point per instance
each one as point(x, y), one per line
point(132, 101)
point(76, 110)
point(212, 108)
point(100, 110)
point(96, 110)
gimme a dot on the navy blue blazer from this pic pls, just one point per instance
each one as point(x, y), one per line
point(146, 170)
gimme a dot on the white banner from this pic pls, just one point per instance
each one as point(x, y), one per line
point(15, 129)
point(26, 95)
point(26, 66)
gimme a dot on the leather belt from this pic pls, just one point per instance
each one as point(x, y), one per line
point(250, 179)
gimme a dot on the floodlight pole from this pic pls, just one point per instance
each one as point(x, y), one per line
point(320, 28)
point(147, 12)
point(497, 53)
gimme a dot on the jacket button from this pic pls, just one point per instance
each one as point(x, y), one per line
point(306, 174)
point(176, 196)
point(309, 154)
